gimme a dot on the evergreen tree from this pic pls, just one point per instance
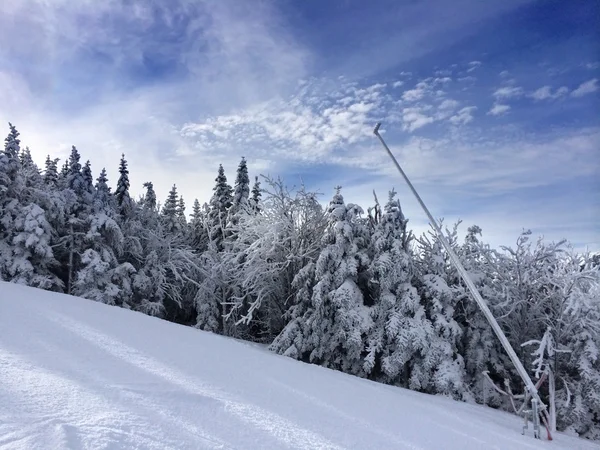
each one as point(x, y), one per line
point(181, 213)
point(256, 195)
point(169, 214)
point(122, 191)
point(332, 330)
point(103, 195)
point(51, 172)
point(242, 189)
point(198, 231)
point(150, 196)
point(219, 206)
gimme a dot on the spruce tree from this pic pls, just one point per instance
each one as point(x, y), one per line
point(51, 171)
point(169, 213)
point(256, 195)
point(220, 203)
point(149, 201)
point(242, 188)
point(122, 191)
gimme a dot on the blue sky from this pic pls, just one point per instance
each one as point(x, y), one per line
point(492, 107)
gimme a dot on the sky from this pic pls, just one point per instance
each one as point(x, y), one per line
point(492, 108)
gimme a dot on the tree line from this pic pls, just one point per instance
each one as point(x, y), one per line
point(331, 285)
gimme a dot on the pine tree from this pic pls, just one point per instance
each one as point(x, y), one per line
point(332, 330)
point(181, 212)
point(219, 206)
point(88, 179)
point(150, 196)
point(256, 195)
point(102, 189)
point(51, 172)
point(198, 233)
point(122, 191)
point(169, 213)
point(242, 189)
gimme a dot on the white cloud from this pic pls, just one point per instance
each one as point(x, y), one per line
point(545, 92)
point(508, 92)
point(448, 104)
point(498, 109)
point(227, 54)
point(586, 88)
point(473, 65)
point(464, 116)
point(415, 94)
point(414, 118)
point(397, 84)
point(309, 126)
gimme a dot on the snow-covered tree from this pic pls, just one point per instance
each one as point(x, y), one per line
point(332, 329)
point(256, 195)
point(51, 172)
point(219, 205)
point(268, 252)
point(241, 191)
point(122, 191)
point(170, 212)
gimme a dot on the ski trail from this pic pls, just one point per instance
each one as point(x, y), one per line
point(431, 408)
point(397, 438)
point(35, 396)
point(278, 427)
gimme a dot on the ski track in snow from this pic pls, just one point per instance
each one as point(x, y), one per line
point(287, 432)
point(75, 374)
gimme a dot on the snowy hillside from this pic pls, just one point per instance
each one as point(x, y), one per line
point(79, 374)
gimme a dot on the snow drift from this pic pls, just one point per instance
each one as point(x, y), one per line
point(79, 374)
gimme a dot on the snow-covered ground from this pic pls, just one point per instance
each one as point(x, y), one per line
point(78, 374)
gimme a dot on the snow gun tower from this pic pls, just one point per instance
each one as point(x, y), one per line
point(537, 406)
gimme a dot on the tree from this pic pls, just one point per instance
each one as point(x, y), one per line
point(51, 172)
point(122, 191)
point(150, 197)
point(170, 212)
point(242, 189)
point(332, 329)
point(219, 205)
point(268, 252)
point(256, 196)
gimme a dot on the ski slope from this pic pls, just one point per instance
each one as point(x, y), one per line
point(75, 374)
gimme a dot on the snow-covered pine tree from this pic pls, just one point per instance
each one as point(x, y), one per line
point(256, 196)
point(219, 205)
point(401, 330)
point(181, 214)
point(11, 187)
point(440, 367)
point(241, 191)
point(332, 330)
point(101, 276)
point(122, 191)
point(198, 238)
point(149, 201)
point(51, 172)
point(170, 212)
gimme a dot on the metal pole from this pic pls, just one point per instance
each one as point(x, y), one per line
point(472, 289)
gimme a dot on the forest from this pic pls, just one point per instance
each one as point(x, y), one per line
point(324, 282)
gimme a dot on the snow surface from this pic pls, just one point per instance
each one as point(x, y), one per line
point(79, 374)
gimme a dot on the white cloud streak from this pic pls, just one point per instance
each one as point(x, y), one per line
point(545, 93)
point(498, 109)
point(588, 87)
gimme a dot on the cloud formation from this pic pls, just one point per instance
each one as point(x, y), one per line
point(498, 109)
point(586, 88)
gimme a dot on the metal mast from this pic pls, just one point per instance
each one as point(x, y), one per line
point(530, 386)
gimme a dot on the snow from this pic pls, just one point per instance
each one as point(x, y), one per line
point(78, 374)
